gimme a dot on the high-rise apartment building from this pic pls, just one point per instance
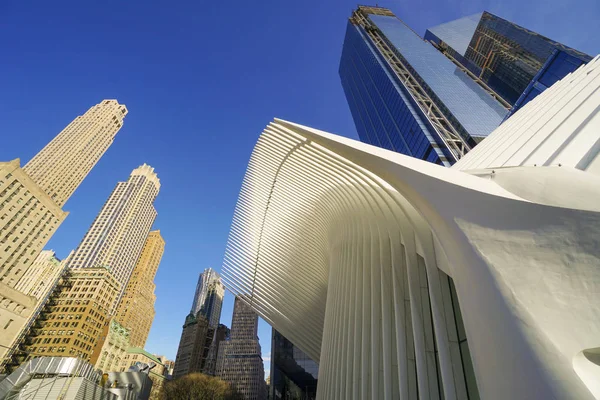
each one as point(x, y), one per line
point(41, 276)
point(28, 219)
point(31, 198)
point(76, 322)
point(192, 346)
point(294, 375)
point(208, 298)
point(62, 165)
point(136, 309)
point(515, 62)
point(405, 96)
point(117, 236)
point(239, 361)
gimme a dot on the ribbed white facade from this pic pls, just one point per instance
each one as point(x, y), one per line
point(409, 280)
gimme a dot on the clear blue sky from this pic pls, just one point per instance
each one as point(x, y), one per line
point(201, 80)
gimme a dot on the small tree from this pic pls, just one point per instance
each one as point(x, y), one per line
point(198, 386)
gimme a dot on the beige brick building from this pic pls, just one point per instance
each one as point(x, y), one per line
point(111, 348)
point(75, 324)
point(28, 218)
point(42, 274)
point(62, 165)
point(31, 198)
point(15, 310)
point(136, 309)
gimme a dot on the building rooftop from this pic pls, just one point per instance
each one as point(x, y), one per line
point(139, 350)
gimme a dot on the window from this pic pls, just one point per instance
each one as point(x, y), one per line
point(8, 323)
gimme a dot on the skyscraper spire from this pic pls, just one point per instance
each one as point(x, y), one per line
point(60, 167)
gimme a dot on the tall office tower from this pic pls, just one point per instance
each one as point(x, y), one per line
point(41, 276)
point(31, 198)
point(406, 96)
point(136, 309)
point(60, 167)
point(191, 346)
point(74, 325)
point(208, 298)
point(239, 361)
point(294, 374)
point(117, 235)
point(515, 62)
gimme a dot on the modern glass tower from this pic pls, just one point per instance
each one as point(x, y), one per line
point(294, 374)
point(408, 97)
point(515, 62)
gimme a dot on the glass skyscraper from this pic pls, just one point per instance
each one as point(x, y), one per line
point(408, 97)
point(294, 374)
point(208, 298)
point(515, 62)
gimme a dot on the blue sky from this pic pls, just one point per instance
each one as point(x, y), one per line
point(201, 80)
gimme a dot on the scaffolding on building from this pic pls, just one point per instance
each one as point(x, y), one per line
point(444, 128)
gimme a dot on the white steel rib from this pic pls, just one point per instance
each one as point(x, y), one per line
point(407, 280)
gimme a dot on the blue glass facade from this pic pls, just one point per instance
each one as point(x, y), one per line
point(294, 375)
point(384, 111)
point(558, 65)
point(457, 34)
point(507, 57)
point(476, 111)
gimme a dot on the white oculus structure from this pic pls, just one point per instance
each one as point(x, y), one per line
point(361, 256)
